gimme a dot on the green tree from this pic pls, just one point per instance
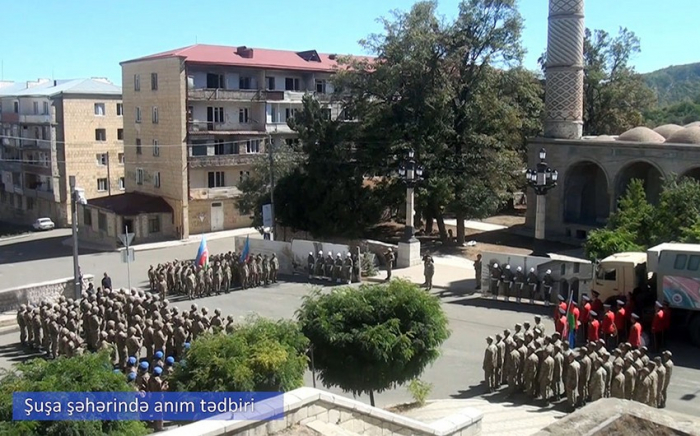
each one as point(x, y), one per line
point(634, 214)
point(434, 88)
point(372, 338)
point(87, 373)
point(261, 355)
point(678, 209)
point(682, 113)
point(605, 242)
point(326, 195)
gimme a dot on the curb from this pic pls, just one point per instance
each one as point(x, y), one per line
point(380, 280)
point(9, 329)
point(16, 237)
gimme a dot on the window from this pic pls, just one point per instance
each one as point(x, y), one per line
point(138, 146)
point(101, 185)
point(154, 118)
point(138, 114)
point(216, 179)
point(154, 224)
point(87, 217)
point(120, 134)
point(219, 147)
point(292, 142)
point(291, 84)
point(607, 274)
point(46, 108)
point(101, 159)
point(694, 262)
point(156, 179)
point(139, 176)
point(122, 184)
point(243, 115)
point(137, 82)
point(30, 203)
point(15, 107)
point(215, 81)
point(245, 83)
point(215, 114)
point(270, 83)
point(35, 107)
point(154, 81)
point(577, 268)
point(563, 269)
point(681, 260)
point(102, 221)
point(156, 148)
point(120, 109)
point(321, 86)
point(120, 158)
point(244, 175)
point(100, 109)
point(100, 134)
point(290, 113)
point(253, 146)
point(326, 113)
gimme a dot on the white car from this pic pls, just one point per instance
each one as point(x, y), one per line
point(44, 224)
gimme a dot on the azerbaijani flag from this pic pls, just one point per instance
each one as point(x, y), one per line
point(570, 327)
point(202, 254)
point(246, 250)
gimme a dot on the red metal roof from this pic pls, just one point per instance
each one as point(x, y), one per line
point(261, 58)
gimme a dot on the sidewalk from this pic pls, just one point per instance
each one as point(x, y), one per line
point(180, 242)
point(453, 274)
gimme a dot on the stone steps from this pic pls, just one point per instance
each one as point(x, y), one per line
point(322, 428)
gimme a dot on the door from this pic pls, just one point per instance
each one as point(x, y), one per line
point(210, 118)
point(217, 217)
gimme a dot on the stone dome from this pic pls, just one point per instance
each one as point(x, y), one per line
point(689, 135)
point(641, 134)
point(603, 138)
point(668, 129)
point(695, 124)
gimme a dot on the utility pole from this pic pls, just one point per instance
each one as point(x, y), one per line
point(109, 178)
point(128, 256)
point(272, 186)
point(77, 282)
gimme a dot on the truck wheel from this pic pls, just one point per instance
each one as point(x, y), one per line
point(695, 330)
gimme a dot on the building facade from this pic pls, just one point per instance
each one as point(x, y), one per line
point(594, 172)
point(52, 129)
point(198, 118)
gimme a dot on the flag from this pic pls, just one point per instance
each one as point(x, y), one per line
point(570, 322)
point(246, 250)
point(202, 254)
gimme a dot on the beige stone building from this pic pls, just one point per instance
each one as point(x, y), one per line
point(52, 129)
point(197, 118)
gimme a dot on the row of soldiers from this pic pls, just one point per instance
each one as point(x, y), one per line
point(227, 271)
point(539, 365)
point(338, 270)
point(508, 283)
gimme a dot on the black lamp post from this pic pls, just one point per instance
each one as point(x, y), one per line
point(542, 179)
point(411, 173)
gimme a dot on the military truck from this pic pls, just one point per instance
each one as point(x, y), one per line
point(668, 272)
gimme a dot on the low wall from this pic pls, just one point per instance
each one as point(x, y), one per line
point(11, 299)
point(293, 255)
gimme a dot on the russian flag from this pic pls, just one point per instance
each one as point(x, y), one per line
point(202, 254)
point(246, 250)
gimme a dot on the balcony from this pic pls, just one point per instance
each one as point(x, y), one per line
point(295, 96)
point(215, 193)
point(223, 160)
point(209, 127)
point(11, 165)
point(37, 167)
point(35, 119)
point(226, 94)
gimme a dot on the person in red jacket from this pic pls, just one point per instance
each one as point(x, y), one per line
point(560, 321)
point(585, 312)
point(621, 321)
point(596, 304)
point(577, 316)
point(635, 337)
point(593, 327)
point(609, 329)
point(657, 327)
point(562, 305)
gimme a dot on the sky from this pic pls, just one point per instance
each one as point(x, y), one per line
point(79, 38)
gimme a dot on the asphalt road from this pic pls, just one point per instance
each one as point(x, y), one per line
point(456, 374)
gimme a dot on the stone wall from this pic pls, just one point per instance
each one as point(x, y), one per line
point(11, 299)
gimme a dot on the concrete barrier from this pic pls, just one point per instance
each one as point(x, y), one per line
point(35, 293)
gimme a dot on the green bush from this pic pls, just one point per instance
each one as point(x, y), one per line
point(88, 373)
point(420, 391)
point(261, 355)
point(368, 269)
point(373, 337)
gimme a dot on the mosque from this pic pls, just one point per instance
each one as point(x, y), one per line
point(595, 171)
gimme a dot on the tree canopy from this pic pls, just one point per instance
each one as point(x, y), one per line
point(260, 355)
point(371, 338)
point(637, 225)
point(87, 373)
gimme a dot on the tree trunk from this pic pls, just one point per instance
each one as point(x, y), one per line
point(429, 225)
point(441, 227)
point(460, 228)
point(371, 398)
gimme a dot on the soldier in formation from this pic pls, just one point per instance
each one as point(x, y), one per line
point(507, 283)
point(336, 270)
point(226, 271)
point(530, 362)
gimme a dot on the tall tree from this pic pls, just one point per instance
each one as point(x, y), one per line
point(435, 87)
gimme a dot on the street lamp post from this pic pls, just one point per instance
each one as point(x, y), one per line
point(77, 196)
point(409, 248)
point(542, 179)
